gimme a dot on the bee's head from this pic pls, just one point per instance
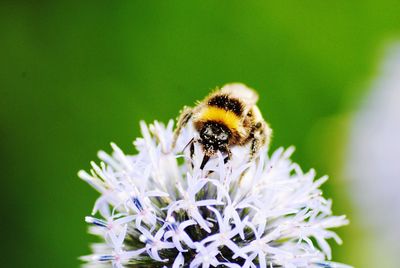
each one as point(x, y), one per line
point(214, 137)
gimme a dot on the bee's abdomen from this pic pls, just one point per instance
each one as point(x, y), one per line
point(227, 103)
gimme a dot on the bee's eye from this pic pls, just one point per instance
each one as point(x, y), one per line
point(208, 132)
point(223, 136)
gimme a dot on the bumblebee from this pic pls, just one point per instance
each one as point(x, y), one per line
point(227, 117)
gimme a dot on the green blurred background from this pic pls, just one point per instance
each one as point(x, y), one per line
point(75, 76)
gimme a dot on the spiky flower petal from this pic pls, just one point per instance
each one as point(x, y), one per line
point(157, 208)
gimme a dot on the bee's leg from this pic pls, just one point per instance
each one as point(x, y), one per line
point(191, 152)
point(183, 119)
point(190, 144)
point(191, 148)
point(260, 136)
point(229, 155)
point(254, 147)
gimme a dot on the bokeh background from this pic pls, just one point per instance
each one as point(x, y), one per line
point(75, 76)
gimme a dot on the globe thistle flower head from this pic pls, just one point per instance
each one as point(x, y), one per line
point(158, 208)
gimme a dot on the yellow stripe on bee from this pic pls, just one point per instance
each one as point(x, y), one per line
point(228, 118)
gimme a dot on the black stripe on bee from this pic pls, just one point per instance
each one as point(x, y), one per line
point(227, 103)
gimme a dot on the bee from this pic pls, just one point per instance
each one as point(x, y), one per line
point(226, 117)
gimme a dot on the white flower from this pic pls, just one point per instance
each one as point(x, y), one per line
point(157, 208)
point(118, 254)
point(178, 234)
point(155, 243)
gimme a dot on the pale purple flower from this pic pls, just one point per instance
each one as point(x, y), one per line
point(157, 208)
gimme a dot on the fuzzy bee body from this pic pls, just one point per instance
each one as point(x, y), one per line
point(225, 118)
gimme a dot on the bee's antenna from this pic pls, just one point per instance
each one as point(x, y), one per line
point(187, 145)
point(204, 162)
